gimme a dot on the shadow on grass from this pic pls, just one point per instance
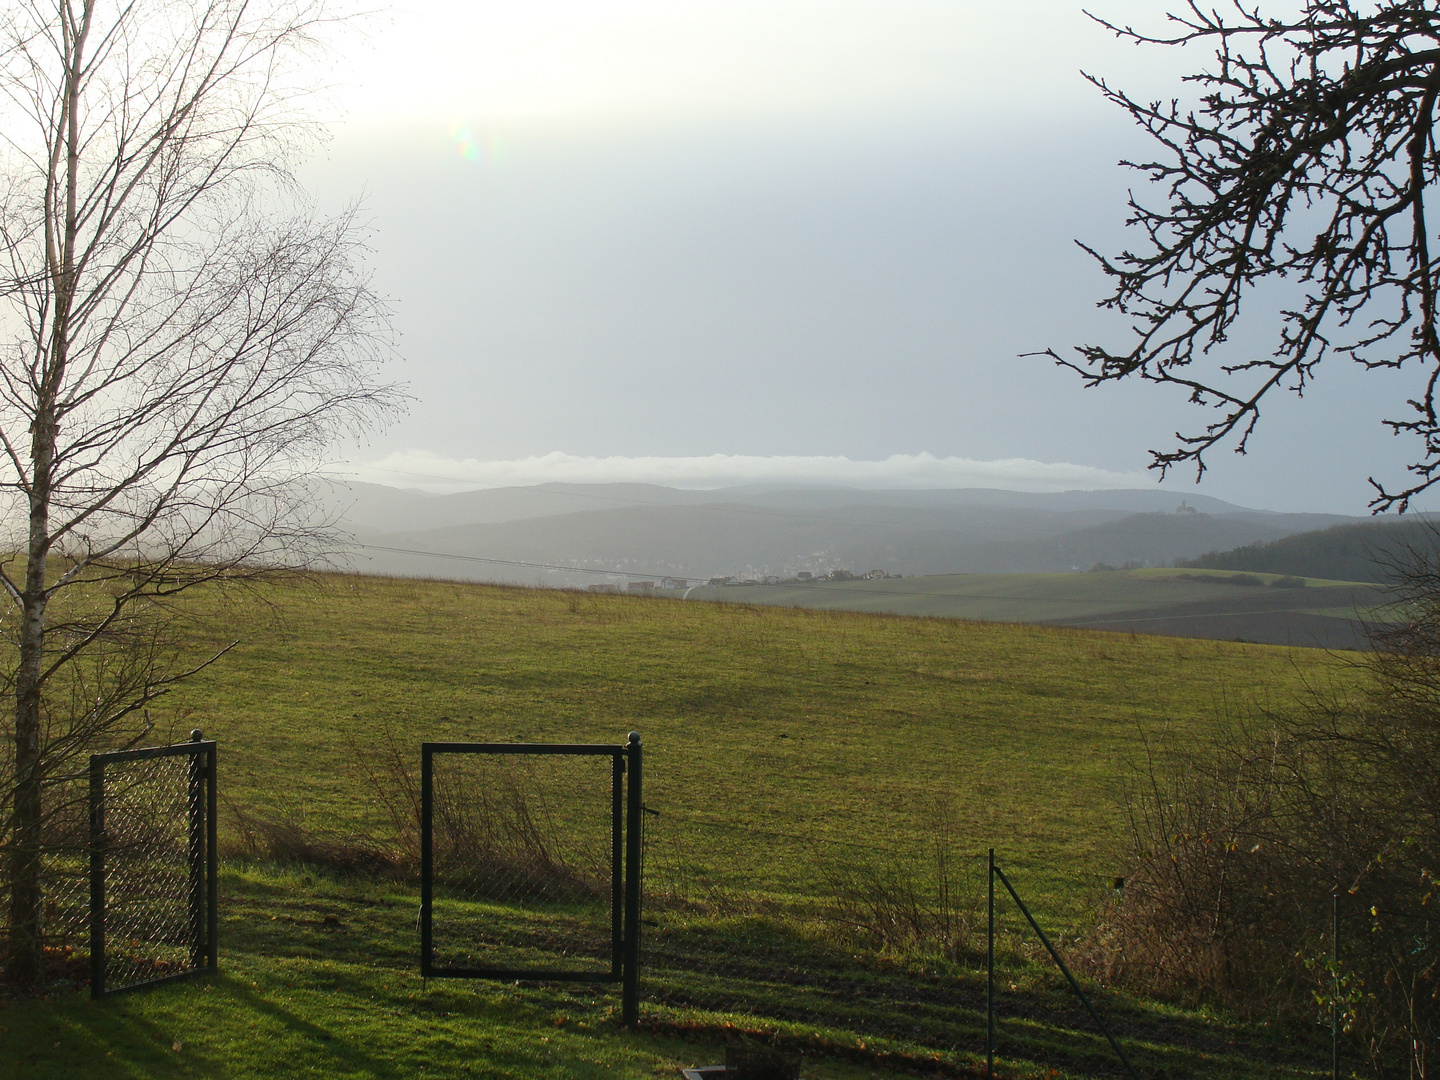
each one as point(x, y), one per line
point(708, 974)
point(168, 1033)
point(326, 1049)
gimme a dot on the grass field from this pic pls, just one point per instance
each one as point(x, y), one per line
point(1156, 596)
point(832, 723)
point(780, 744)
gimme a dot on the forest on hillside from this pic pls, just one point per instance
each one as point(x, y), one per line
point(1366, 551)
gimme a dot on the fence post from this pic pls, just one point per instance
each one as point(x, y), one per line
point(990, 975)
point(199, 950)
point(1075, 986)
point(427, 858)
point(630, 993)
point(97, 877)
point(617, 867)
point(212, 860)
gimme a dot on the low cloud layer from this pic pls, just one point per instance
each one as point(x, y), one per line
point(416, 469)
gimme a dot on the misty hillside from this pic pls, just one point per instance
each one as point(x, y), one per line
point(1135, 540)
point(386, 509)
point(372, 506)
point(1359, 551)
point(534, 535)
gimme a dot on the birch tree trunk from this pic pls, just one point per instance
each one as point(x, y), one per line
point(181, 338)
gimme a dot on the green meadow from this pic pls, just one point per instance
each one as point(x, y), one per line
point(856, 722)
point(785, 748)
point(1056, 597)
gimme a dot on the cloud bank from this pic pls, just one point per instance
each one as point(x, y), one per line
point(429, 472)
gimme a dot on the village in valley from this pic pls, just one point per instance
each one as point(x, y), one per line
point(803, 577)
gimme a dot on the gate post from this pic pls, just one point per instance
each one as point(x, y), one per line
point(427, 859)
point(630, 990)
point(199, 924)
point(1335, 989)
point(212, 859)
point(97, 876)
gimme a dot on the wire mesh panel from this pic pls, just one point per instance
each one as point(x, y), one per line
point(65, 916)
point(522, 861)
point(749, 928)
point(64, 885)
point(866, 946)
point(152, 865)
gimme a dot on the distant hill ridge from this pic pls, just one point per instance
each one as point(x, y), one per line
point(1355, 552)
point(537, 535)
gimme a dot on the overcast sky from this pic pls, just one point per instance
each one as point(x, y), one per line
point(718, 241)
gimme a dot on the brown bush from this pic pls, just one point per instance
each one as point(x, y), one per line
point(288, 840)
point(495, 836)
point(1237, 850)
point(497, 840)
point(1220, 890)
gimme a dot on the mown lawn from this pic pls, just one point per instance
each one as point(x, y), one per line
point(780, 745)
point(302, 997)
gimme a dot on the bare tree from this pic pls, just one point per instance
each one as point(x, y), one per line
point(1305, 168)
point(181, 338)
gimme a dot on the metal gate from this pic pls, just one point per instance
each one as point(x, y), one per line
point(530, 863)
point(153, 912)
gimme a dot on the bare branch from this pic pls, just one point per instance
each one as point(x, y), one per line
point(1305, 162)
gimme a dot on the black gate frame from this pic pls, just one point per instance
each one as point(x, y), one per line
point(625, 826)
point(203, 863)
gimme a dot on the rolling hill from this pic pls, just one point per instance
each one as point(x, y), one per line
point(572, 535)
point(1197, 604)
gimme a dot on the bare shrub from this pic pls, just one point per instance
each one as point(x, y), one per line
point(1239, 848)
point(899, 904)
point(289, 841)
point(390, 778)
point(882, 902)
point(1218, 883)
point(498, 839)
point(496, 835)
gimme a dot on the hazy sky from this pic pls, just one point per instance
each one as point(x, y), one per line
point(719, 241)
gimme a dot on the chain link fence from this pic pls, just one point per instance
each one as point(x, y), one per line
point(152, 865)
point(524, 877)
point(875, 950)
point(65, 886)
point(128, 870)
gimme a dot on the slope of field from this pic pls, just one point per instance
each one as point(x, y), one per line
point(1180, 603)
point(778, 741)
point(739, 705)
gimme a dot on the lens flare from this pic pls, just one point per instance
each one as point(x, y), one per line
point(483, 148)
